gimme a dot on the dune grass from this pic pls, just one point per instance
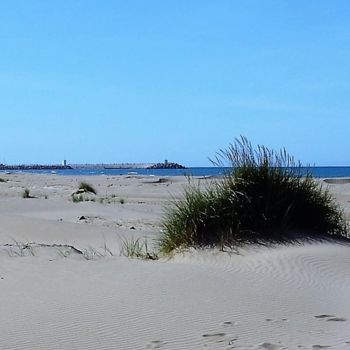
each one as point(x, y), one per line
point(265, 198)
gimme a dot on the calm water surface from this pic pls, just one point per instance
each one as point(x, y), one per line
point(202, 171)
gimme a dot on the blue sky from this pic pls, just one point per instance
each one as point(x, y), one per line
point(143, 81)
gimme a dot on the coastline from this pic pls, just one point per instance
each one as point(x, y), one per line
point(88, 170)
point(55, 297)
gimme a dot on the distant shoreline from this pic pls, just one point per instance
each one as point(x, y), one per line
point(35, 167)
point(92, 166)
point(71, 170)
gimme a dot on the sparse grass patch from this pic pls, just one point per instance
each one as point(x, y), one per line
point(77, 198)
point(137, 248)
point(85, 187)
point(265, 198)
point(108, 200)
point(19, 249)
point(91, 253)
point(26, 193)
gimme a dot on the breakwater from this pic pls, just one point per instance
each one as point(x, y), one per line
point(34, 167)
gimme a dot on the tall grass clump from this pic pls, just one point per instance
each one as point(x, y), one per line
point(264, 198)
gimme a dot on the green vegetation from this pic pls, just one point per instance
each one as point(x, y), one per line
point(77, 198)
point(110, 199)
point(26, 193)
point(263, 199)
point(85, 187)
point(137, 248)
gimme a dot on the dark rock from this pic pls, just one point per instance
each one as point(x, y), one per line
point(166, 166)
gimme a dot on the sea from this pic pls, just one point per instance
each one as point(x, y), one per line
point(318, 172)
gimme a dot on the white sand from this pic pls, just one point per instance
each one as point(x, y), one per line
point(287, 297)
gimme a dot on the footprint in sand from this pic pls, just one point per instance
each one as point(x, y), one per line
point(229, 323)
point(337, 319)
point(331, 318)
point(270, 346)
point(215, 337)
point(209, 335)
point(277, 320)
point(155, 344)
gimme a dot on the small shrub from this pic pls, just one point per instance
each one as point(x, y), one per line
point(85, 187)
point(121, 200)
point(26, 193)
point(2, 180)
point(264, 198)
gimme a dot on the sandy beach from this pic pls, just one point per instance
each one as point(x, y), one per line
point(65, 284)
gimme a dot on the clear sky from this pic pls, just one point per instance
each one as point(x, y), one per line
point(143, 81)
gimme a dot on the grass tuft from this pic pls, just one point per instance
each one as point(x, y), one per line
point(26, 193)
point(264, 198)
point(137, 248)
point(77, 198)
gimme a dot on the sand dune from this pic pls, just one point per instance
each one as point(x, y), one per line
point(55, 297)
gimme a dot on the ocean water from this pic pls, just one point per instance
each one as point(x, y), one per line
point(320, 172)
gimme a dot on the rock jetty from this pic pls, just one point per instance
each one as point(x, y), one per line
point(166, 165)
point(34, 167)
